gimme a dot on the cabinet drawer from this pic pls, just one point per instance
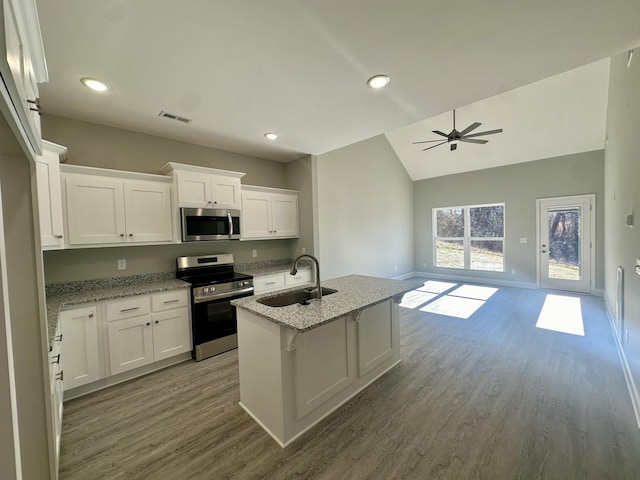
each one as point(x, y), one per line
point(130, 307)
point(268, 282)
point(169, 300)
point(303, 276)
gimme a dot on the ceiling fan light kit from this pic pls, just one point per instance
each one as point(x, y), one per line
point(454, 137)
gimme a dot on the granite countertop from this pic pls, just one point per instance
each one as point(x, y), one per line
point(62, 296)
point(354, 293)
point(258, 269)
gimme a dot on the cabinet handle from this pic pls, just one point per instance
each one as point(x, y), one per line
point(58, 235)
point(60, 376)
point(157, 321)
point(122, 234)
point(209, 202)
point(131, 234)
point(129, 309)
point(91, 315)
point(171, 301)
point(148, 323)
point(57, 359)
point(58, 338)
point(270, 283)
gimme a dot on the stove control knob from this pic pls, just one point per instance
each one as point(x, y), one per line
point(205, 289)
point(212, 289)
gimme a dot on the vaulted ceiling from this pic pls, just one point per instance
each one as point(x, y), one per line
point(242, 68)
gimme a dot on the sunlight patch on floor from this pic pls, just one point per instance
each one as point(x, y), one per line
point(436, 287)
point(474, 291)
point(416, 298)
point(453, 306)
point(561, 313)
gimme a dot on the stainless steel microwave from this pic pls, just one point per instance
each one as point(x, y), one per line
point(207, 224)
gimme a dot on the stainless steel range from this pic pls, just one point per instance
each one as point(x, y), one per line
point(214, 283)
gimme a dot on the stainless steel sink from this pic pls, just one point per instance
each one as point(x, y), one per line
point(296, 296)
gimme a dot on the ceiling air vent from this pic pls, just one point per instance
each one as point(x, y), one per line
point(177, 118)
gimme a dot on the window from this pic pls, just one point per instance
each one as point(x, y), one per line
point(470, 237)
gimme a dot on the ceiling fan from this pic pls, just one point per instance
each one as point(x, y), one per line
point(455, 136)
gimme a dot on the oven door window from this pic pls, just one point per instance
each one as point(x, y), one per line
point(213, 320)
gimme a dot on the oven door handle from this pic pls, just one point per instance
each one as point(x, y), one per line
point(219, 296)
point(230, 225)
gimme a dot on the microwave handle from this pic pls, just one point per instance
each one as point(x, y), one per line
point(230, 224)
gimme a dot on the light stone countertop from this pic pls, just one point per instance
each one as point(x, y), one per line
point(354, 293)
point(99, 292)
point(259, 271)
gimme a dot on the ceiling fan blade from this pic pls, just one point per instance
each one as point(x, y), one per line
point(437, 145)
point(426, 141)
point(473, 140)
point(438, 132)
point(453, 147)
point(471, 127)
point(488, 132)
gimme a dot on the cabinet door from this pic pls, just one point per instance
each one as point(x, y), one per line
point(300, 278)
point(148, 212)
point(194, 190)
point(322, 365)
point(80, 355)
point(268, 283)
point(49, 200)
point(226, 191)
point(171, 333)
point(284, 214)
point(256, 215)
point(375, 336)
point(95, 210)
point(130, 343)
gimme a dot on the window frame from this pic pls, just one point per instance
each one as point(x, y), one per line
point(467, 238)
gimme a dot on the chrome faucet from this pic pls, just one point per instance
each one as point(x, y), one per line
point(294, 270)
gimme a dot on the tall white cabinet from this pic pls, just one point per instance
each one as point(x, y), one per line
point(50, 195)
point(269, 213)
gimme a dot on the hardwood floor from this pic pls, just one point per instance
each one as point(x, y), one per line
point(487, 397)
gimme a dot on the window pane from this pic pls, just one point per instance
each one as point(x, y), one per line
point(450, 254)
point(450, 222)
point(487, 221)
point(487, 255)
point(564, 243)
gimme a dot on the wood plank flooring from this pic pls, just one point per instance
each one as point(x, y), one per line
point(488, 397)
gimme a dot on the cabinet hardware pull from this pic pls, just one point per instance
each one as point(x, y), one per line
point(60, 376)
point(57, 359)
point(131, 234)
point(172, 301)
point(58, 338)
point(270, 283)
point(122, 234)
point(129, 309)
point(148, 323)
point(91, 315)
point(58, 235)
point(157, 321)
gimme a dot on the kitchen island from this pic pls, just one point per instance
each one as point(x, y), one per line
point(299, 363)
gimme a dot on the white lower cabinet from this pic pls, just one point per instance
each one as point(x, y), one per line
point(278, 281)
point(56, 378)
point(136, 337)
point(376, 336)
point(79, 330)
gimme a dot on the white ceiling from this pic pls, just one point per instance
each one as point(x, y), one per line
point(241, 68)
point(559, 115)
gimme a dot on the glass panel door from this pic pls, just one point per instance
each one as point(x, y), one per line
point(564, 253)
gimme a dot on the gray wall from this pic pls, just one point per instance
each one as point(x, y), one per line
point(300, 177)
point(108, 147)
point(518, 186)
point(622, 197)
point(26, 331)
point(365, 211)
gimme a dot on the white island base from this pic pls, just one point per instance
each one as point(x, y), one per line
point(290, 381)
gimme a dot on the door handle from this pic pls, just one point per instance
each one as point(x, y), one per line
point(230, 224)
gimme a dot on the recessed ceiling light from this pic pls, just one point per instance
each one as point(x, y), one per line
point(378, 81)
point(95, 85)
point(271, 136)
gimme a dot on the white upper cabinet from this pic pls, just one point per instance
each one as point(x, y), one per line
point(269, 213)
point(201, 187)
point(22, 67)
point(104, 209)
point(50, 196)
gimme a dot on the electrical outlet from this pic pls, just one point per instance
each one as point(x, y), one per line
point(254, 253)
point(424, 264)
point(304, 250)
point(523, 240)
point(122, 264)
point(513, 271)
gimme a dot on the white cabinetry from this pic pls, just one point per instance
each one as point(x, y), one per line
point(56, 378)
point(201, 187)
point(22, 67)
point(105, 209)
point(269, 213)
point(147, 329)
point(79, 328)
point(50, 195)
point(376, 337)
point(278, 281)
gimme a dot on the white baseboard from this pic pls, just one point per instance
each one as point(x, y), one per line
point(631, 386)
point(466, 278)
